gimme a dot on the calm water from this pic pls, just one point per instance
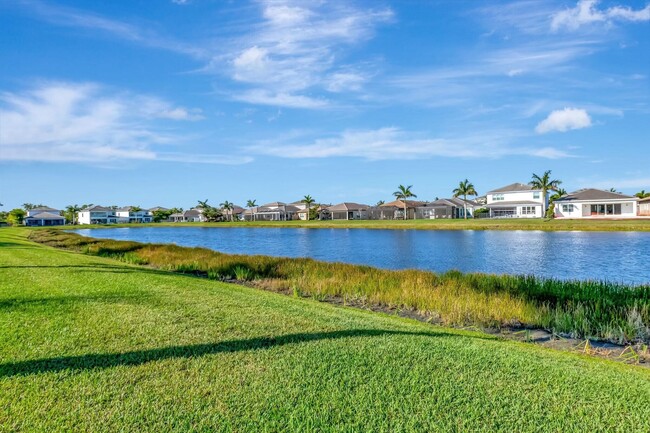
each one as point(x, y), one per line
point(613, 256)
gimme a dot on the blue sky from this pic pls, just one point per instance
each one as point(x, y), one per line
point(169, 102)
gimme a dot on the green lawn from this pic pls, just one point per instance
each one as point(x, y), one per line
point(458, 224)
point(92, 344)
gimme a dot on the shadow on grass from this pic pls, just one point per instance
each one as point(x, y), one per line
point(108, 360)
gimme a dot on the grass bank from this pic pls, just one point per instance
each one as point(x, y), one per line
point(93, 344)
point(582, 309)
point(458, 224)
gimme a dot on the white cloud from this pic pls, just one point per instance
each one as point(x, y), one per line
point(564, 120)
point(74, 122)
point(295, 49)
point(392, 143)
point(586, 12)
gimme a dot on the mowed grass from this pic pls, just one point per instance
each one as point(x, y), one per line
point(642, 224)
point(92, 344)
point(583, 309)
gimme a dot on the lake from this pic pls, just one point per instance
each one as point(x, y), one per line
point(613, 256)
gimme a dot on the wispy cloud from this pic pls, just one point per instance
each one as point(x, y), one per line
point(295, 48)
point(73, 17)
point(83, 122)
point(564, 120)
point(586, 12)
point(392, 143)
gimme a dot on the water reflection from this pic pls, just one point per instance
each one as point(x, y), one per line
point(614, 256)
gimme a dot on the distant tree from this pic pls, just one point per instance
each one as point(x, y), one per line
point(3, 216)
point(16, 216)
point(559, 193)
point(612, 190)
point(546, 184)
point(380, 202)
point(308, 200)
point(30, 206)
point(403, 193)
point(162, 214)
point(251, 204)
point(642, 194)
point(71, 212)
point(136, 208)
point(465, 188)
point(210, 213)
point(228, 207)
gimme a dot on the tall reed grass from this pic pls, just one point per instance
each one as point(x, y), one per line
point(595, 309)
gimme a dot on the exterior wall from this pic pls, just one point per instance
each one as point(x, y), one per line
point(515, 196)
point(644, 209)
point(583, 209)
point(102, 217)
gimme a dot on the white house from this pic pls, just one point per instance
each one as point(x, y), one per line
point(96, 215)
point(191, 215)
point(129, 215)
point(276, 211)
point(596, 203)
point(44, 216)
point(516, 201)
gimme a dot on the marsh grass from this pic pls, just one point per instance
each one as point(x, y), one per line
point(583, 309)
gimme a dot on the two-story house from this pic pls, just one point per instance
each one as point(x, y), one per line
point(96, 215)
point(516, 201)
point(44, 216)
point(131, 214)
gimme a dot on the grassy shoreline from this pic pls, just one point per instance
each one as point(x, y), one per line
point(641, 225)
point(592, 309)
point(94, 344)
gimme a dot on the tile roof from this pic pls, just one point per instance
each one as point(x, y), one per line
point(97, 208)
point(513, 203)
point(514, 187)
point(400, 204)
point(347, 206)
point(594, 194)
point(45, 216)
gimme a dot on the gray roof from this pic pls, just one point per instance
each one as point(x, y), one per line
point(45, 216)
point(594, 194)
point(97, 208)
point(192, 212)
point(644, 200)
point(274, 204)
point(347, 206)
point(400, 204)
point(153, 209)
point(513, 203)
point(454, 201)
point(43, 209)
point(514, 187)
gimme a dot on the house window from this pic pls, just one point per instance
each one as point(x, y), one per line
point(536, 195)
point(528, 210)
point(606, 209)
point(497, 197)
point(567, 208)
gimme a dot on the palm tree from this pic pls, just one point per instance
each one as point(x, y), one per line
point(546, 184)
point(251, 204)
point(380, 202)
point(403, 193)
point(465, 188)
point(228, 207)
point(72, 211)
point(559, 193)
point(308, 200)
point(642, 194)
point(612, 190)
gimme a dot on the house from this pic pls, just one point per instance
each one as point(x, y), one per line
point(190, 215)
point(644, 207)
point(44, 216)
point(596, 203)
point(96, 215)
point(394, 210)
point(131, 214)
point(276, 211)
point(446, 208)
point(236, 213)
point(348, 211)
point(517, 200)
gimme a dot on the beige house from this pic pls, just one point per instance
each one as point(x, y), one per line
point(394, 210)
point(348, 211)
point(644, 207)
